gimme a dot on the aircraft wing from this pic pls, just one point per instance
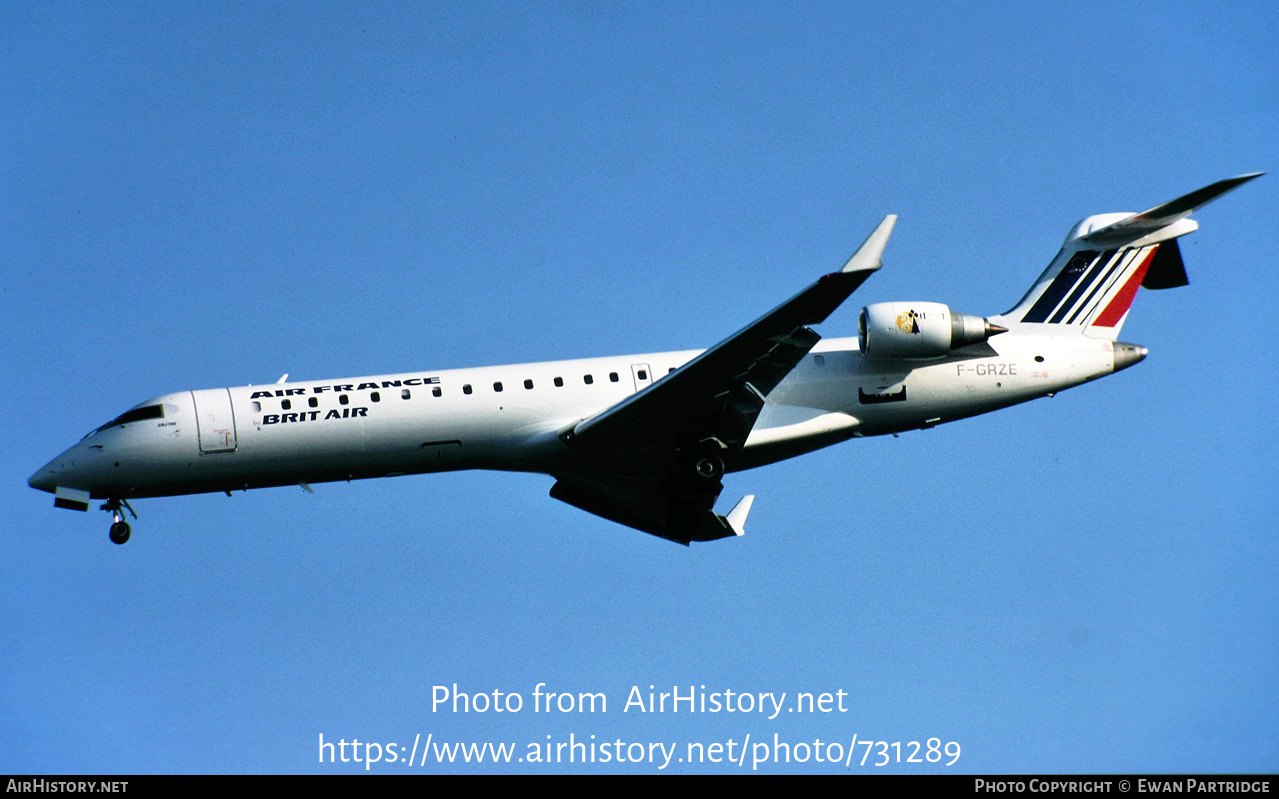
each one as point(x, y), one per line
point(655, 505)
point(720, 392)
point(638, 448)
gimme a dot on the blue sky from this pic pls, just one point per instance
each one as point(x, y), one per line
point(193, 197)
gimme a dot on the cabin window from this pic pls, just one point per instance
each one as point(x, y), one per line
point(344, 400)
point(559, 382)
point(528, 383)
point(435, 392)
point(820, 360)
point(497, 386)
point(375, 396)
point(1039, 359)
point(286, 404)
point(257, 407)
point(612, 376)
point(313, 402)
point(672, 369)
point(587, 379)
point(405, 393)
point(643, 374)
point(466, 389)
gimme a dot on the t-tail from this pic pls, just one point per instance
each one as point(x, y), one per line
point(1090, 285)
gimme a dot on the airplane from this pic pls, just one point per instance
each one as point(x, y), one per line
point(645, 440)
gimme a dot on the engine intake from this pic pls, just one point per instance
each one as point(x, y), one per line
point(918, 330)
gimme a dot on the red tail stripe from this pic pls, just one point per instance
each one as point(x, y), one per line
point(1123, 300)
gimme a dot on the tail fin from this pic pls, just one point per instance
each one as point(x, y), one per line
point(1089, 287)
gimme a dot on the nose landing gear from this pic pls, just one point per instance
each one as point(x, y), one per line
point(120, 529)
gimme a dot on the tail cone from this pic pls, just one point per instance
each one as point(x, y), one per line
point(1128, 354)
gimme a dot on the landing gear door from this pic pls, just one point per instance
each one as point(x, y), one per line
point(215, 420)
point(643, 377)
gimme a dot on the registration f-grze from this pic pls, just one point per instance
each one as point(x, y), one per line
point(645, 440)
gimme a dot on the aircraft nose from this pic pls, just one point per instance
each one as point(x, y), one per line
point(43, 480)
point(75, 468)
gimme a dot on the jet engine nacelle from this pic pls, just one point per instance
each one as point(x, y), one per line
point(918, 330)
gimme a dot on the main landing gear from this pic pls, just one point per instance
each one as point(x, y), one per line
point(709, 468)
point(708, 462)
point(120, 529)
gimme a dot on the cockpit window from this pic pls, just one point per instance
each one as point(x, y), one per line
point(135, 415)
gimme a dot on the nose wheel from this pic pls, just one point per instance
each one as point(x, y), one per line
point(120, 529)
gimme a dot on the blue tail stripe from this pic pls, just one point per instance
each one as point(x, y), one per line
point(1104, 285)
point(1067, 278)
point(1089, 279)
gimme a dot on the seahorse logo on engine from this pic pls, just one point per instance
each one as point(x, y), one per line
point(908, 322)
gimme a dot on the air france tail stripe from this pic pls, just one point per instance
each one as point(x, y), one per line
point(1060, 286)
point(1123, 300)
point(1102, 286)
point(1098, 267)
point(1123, 268)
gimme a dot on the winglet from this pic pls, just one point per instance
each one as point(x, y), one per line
point(1161, 216)
point(870, 256)
point(736, 517)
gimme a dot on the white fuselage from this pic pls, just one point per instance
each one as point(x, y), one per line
point(644, 440)
point(316, 431)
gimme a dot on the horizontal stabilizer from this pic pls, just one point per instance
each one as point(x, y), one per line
point(1161, 216)
point(1167, 270)
point(1089, 287)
